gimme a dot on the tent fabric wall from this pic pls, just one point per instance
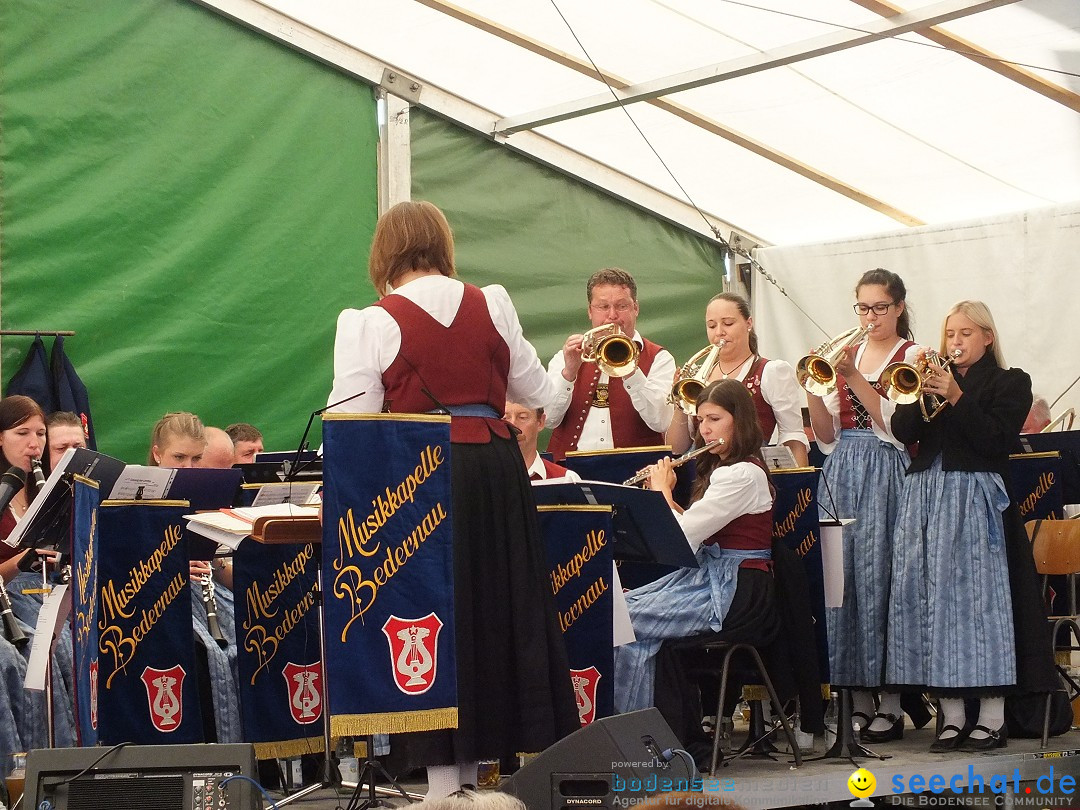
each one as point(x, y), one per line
point(194, 200)
point(1023, 266)
point(542, 234)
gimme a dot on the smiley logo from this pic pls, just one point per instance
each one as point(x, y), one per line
point(861, 784)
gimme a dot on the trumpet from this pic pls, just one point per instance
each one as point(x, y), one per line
point(691, 379)
point(610, 349)
point(817, 371)
point(903, 383)
point(685, 457)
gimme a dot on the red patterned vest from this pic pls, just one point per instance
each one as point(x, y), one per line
point(628, 429)
point(765, 415)
point(748, 532)
point(465, 363)
point(853, 416)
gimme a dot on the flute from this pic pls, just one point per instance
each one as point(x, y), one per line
point(685, 457)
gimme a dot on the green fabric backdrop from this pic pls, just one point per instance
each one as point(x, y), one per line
point(541, 234)
point(194, 200)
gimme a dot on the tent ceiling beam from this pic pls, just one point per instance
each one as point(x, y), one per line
point(981, 56)
point(354, 62)
point(681, 111)
point(833, 42)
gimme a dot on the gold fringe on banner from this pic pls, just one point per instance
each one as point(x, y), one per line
point(286, 749)
point(357, 725)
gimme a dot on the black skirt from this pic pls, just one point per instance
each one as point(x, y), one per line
point(514, 689)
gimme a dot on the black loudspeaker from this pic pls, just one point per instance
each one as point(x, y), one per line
point(612, 762)
point(142, 777)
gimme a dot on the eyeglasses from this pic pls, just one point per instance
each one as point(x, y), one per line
point(621, 307)
point(879, 309)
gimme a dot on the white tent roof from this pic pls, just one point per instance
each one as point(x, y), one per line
point(867, 138)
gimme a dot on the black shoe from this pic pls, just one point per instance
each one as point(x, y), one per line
point(940, 746)
point(995, 739)
point(895, 731)
point(863, 717)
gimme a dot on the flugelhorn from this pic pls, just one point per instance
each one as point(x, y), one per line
point(685, 457)
point(1065, 418)
point(903, 383)
point(817, 371)
point(691, 379)
point(610, 349)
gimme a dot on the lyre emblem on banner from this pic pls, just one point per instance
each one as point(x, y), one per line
point(163, 688)
point(305, 700)
point(585, 682)
point(413, 651)
point(93, 693)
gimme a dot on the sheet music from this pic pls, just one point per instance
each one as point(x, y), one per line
point(778, 457)
point(15, 537)
point(54, 612)
point(294, 492)
point(142, 483)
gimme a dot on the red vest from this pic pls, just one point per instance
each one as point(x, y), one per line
point(747, 532)
point(853, 415)
point(628, 429)
point(765, 415)
point(465, 363)
point(552, 470)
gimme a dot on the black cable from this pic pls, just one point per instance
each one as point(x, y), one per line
point(93, 764)
point(1063, 393)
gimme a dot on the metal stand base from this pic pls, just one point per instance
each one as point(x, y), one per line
point(845, 746)
point(372, 769)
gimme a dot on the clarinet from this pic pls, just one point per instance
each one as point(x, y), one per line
point(210, 601)
point(12, 631)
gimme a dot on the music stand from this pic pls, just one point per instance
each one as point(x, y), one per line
point(1067, 443)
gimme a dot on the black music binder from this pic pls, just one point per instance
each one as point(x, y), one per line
point(644, 526)
point(1067, 443)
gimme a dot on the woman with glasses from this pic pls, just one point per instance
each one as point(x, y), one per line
point(864, 471)
point(771, 383)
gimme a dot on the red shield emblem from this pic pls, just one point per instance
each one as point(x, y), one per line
point(413, 651)
point(585, 682)
point(305, 695)
point(163, 695)
point(93, 692)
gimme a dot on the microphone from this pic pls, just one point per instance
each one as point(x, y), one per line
point(38, 473)
point(11, 483)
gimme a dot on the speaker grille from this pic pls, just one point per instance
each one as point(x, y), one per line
point(146, 792)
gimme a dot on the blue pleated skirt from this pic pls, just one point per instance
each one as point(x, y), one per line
point(950, 617)
point(224, 677)
point(864, 476)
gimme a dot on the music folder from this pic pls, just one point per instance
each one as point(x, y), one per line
point(1067, 443)
point(644, 525)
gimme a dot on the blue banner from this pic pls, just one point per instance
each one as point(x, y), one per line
point(147, 683)
point(1035, 485)
point(387, 570)
point(795, 524)
point(84, 629)
point(578, 540)
point(277, 647)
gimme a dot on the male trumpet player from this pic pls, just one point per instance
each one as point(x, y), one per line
point(594, 412)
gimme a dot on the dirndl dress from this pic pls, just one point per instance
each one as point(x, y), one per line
point(684, 603)
point(950, 616)
point(221, 661)
point(864, 476)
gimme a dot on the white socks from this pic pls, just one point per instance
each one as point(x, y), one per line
point(446, 779)
point(889, 704)
point(862, 702)
point(991, 716)
point(952, 714)
point(443, 780)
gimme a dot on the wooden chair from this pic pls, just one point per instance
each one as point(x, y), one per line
point(1055, 545)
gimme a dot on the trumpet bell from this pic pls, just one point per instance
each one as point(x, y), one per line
point(817, 371)
point(614, 353)
point(692, 378)
point(902, 383)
